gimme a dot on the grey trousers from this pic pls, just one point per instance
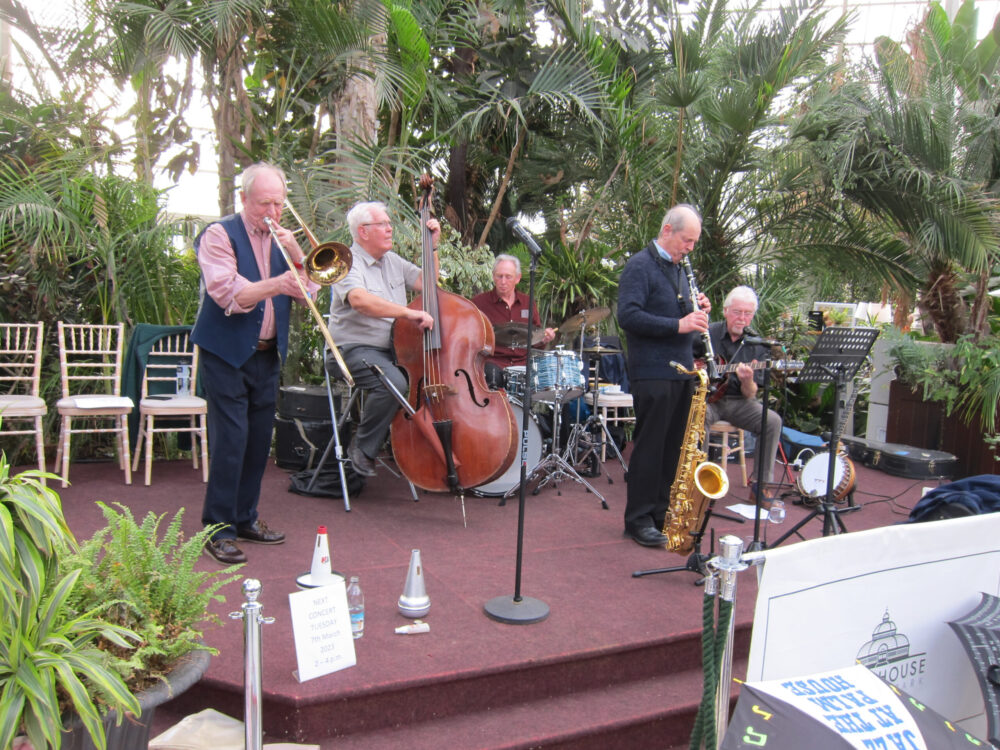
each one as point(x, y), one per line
point(380, 404)
point(745, 414)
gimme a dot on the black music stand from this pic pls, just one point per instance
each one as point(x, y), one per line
point(835, 358)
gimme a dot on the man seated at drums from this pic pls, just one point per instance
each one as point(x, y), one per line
point(738, 404)
point(504, 304)
point(363, 306)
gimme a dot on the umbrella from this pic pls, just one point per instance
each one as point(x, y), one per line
point(836, 710)
point(979, 632)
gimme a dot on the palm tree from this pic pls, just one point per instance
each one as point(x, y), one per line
point(909, 165)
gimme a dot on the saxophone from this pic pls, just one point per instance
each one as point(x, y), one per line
point(698, 482)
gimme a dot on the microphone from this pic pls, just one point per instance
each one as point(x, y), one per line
point(757, 340)
point(524, 235)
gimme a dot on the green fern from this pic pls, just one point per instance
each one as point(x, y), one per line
point(143, 577)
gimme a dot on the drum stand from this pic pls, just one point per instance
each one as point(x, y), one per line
point(573, 443)
point(835, 358)
point(554, 466)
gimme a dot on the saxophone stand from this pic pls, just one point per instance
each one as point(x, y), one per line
point(697, 561)
point(835, 358)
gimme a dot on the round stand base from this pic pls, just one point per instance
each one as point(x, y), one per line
point(524, 612)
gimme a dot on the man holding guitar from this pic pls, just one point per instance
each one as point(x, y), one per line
point(735, 399)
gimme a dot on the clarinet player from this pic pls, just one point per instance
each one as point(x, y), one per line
point(654, 310)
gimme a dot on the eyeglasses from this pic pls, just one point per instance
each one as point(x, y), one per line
point(742, 313)
point(383, 224)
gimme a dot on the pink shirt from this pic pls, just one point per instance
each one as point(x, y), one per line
point(222, 280)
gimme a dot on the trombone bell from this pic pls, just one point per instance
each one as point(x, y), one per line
point(328, 263)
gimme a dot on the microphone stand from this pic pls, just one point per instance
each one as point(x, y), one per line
point(756, 545)
point(519, 610)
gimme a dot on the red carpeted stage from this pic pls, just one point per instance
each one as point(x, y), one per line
point(615, 665)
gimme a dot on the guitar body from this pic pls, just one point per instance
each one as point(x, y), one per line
point(721, 388)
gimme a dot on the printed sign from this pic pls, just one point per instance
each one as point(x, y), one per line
point(321, 626)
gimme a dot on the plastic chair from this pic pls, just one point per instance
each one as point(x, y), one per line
point(168, 392)
point(90, 368)
point(20, 375)
point(718, 437)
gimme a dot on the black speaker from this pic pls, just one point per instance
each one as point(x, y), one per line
point(299, 443)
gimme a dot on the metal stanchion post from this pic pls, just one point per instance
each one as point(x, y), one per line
point(250, 613)
point(728, 564)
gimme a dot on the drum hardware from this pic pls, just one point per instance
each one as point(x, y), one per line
point(836, 357)
point(589, 437)
point(515, 335)
point(584, 318)
point(554, 467)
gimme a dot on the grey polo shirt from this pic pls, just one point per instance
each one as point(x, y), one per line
point(388, 278)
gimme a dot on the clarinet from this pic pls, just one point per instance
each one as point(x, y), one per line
point(710, 366)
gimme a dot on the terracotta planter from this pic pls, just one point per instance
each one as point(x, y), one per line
point(133, 733)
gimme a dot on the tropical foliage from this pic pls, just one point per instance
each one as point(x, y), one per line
point(818, 175)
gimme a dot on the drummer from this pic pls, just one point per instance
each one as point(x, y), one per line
point(504, 304)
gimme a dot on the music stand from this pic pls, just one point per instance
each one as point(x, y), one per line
point(835, 358)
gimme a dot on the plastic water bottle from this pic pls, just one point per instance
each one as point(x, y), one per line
point(356, 606)
point(183, 379)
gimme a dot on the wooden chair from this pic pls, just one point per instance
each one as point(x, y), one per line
point(718, 437)
point(20, 378)
point(168, 398)
point(90, 368)
point(615, 408)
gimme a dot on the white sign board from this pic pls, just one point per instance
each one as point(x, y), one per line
point(882, 598)
point(321, 626)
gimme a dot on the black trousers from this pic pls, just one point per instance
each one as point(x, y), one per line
point(661, 412)
point(241, 403)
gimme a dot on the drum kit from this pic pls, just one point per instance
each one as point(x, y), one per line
point(557, 377)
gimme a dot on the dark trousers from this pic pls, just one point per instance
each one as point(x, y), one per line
point(241, 402)
point(661, 411)
point(380, 404)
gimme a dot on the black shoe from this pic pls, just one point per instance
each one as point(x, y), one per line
point(362, 464)
point(259, 533)
point(647, 536)
point(225, 551)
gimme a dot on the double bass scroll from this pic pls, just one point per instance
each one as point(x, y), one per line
point(461, 434)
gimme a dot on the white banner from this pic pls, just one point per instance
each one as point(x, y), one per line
point(882, 598)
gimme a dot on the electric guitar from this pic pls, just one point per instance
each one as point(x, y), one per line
point(777, 365)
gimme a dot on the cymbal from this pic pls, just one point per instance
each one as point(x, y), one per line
point(515, 335)
point(585, 318)
point(601, 350)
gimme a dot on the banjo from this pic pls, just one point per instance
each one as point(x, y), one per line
point(812, 479)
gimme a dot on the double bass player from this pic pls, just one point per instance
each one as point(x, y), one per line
point(363, 306)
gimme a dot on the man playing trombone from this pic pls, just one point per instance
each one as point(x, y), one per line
point(242, 329)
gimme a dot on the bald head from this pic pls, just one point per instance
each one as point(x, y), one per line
point(679, 231)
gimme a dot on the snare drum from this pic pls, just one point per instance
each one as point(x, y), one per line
point(515, 382)
point(512, 477)
point(557, 374)
point(812, 478)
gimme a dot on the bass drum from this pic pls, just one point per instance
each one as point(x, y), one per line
point(812, 478)
point(512, 477)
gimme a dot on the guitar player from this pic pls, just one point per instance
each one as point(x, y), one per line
point(732, 342)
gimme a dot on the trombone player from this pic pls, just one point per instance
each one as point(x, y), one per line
point(242, 329)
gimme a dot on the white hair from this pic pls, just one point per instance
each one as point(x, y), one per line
point(743, 293)
point(503, 257)
point(362, 213)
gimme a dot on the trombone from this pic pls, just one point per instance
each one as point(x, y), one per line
point(326, 264)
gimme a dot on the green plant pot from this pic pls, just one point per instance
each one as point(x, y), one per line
point(133, 733)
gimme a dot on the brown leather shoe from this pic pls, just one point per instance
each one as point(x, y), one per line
point(259, 533)
point(225, 551)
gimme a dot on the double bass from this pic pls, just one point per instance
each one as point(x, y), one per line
point(460, 434)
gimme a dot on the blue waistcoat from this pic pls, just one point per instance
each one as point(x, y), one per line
point(234, 337)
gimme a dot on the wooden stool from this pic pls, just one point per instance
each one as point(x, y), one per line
point(718, 436)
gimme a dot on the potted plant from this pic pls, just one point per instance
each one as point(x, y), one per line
point(94, 633)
